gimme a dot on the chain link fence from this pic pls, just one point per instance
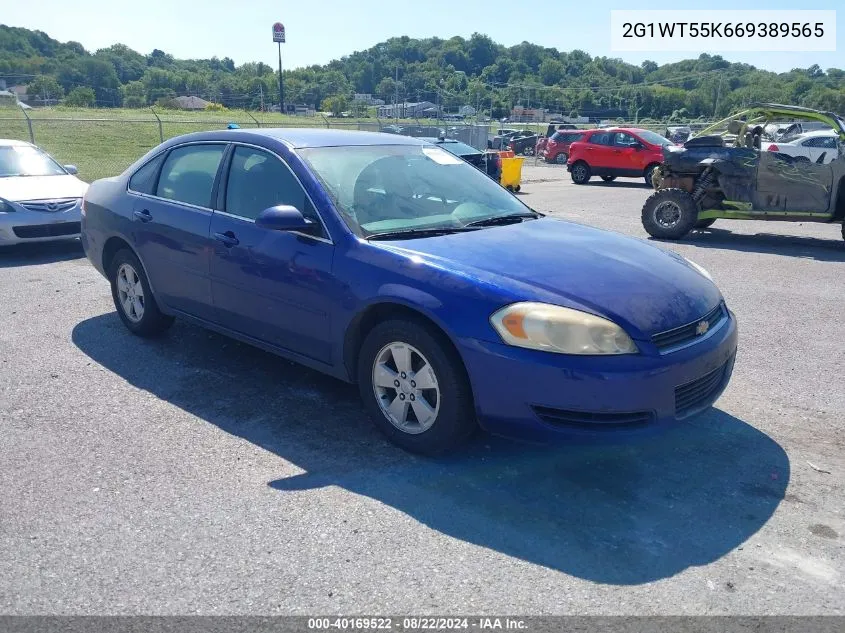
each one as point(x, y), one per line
point(103, 143)
point(102, 146)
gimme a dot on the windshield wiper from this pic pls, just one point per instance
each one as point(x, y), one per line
point(513, 218)
point(412, 233)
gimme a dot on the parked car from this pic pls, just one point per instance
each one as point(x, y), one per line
point(678, 133)
point(557, 147)
point(387, 262)
point(555, 127)
point(523, 143)
point(615, 152)
point(722, 173)
point(39, 198)
point(820, 147)
point(488, 162)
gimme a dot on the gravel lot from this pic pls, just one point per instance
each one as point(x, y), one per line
point(197, 475)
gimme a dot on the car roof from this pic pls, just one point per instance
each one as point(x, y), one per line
point(635, 130)
point(10, 142)
point(299, 138)
point(818, 133)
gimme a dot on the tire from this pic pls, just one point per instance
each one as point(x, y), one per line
point(581, 173)
point(647, 175)
point(454, 414)
point(703, 224)
point(608, 178)
point(135, 304)
point(561, 158)
point(528, 151)
point(669, 214)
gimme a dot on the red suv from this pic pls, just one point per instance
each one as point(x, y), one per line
point(611, 152)
point(557, 147)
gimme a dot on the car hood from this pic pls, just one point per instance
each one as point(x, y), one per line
point(17, 188)
point(628, 280)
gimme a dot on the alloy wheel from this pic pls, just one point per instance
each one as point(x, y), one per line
point(406, 388)
point(130, 293)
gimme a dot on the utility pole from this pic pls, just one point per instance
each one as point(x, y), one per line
point(279, 38)
point(396, 95)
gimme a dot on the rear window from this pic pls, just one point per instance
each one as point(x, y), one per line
point(566, 137)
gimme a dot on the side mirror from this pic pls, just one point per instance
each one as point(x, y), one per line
point(283, 218)
point(71, 169)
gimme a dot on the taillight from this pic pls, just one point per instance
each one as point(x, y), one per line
point(773, 148)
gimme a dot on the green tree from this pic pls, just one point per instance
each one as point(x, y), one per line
point(336, 104)
point(80, 97)
point(45, 87)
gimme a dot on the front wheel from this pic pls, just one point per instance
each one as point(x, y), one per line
point(669, 214)
point(648, 175)
point(133, 298)
point(581, 173)
point(415, 388)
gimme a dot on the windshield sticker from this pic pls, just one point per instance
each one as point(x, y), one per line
point(441, 156)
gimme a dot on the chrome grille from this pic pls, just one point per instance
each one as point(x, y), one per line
point(690, 331)
point(50, 206)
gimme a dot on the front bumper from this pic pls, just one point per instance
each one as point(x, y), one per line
point(540, 396)
point(24, 226)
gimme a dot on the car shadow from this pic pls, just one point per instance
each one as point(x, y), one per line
point(619, 184)
point(40, 253)
point(828, 250)
point(622, 514)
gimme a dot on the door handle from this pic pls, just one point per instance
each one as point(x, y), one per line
point(228, 239)
point(144, 215)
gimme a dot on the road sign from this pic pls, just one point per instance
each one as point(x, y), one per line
point(279, 32)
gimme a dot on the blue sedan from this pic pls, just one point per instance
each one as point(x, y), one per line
point(386, 261)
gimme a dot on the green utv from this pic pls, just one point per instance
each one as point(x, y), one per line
point(721, 173)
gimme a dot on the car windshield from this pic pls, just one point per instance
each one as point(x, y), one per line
point(654, 138)
point(458, 149)
point(391, 188)
point(25, 160)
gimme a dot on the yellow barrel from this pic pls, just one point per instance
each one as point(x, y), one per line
point(512, 173)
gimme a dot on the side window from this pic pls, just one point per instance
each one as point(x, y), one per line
point(601, 138)
point(811, 142)
point(259, 180)
point(827, 142)
point(144, 180)
point(623, 139)
point(188, 174)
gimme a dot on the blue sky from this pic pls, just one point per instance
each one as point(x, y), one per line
point(321, 30)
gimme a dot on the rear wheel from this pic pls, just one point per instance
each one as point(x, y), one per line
point(561, 158)
point(669, 214)
point(133, 298)
point(581, 173)
point(608, 178)
point(703, 224)
point(415, 388)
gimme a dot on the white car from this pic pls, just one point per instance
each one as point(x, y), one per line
point(820, 147)
point(40, 200)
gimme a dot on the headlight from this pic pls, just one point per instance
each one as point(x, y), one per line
point(700, 269)
point(5, 207)
point(561, 330)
